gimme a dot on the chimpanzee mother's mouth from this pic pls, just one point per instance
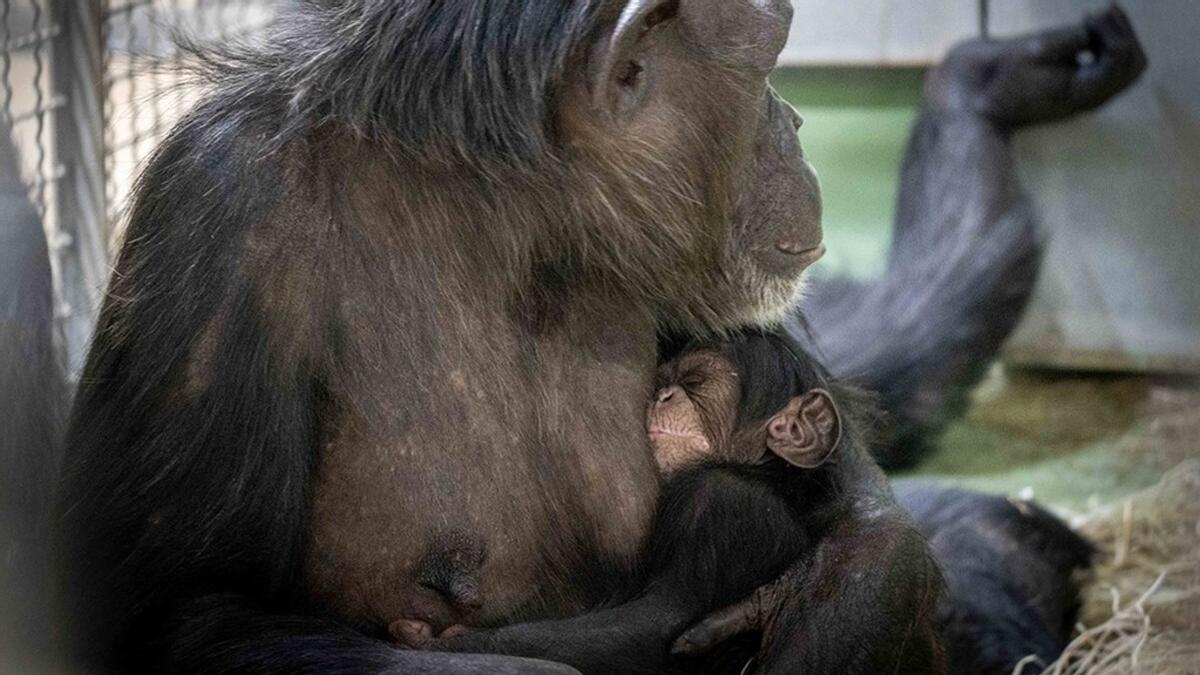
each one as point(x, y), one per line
point(803, 255)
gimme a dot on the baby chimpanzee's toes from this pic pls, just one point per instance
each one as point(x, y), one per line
point(412, 633)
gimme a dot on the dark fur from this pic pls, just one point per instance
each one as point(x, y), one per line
point(725, 530)
point(230, 520)
point(266, 302)
point(469, 83)
point(966, 238)
point(1011, 573)
point(260, 289)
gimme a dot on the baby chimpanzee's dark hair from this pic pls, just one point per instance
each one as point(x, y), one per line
point(773, 368)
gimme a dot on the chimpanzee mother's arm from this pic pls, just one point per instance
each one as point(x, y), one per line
point(862, 601)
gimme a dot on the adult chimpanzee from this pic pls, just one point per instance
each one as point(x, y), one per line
point(400, 275)
point(965, 253)
point(32, 413)
point(767, 474)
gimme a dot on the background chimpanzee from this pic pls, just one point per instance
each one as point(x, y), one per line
point(400, 274)
point(766, 478)
point(1012, 577)
point(32, 412)
point(965, 250)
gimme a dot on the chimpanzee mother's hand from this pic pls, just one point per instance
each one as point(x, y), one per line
point(756, 613)
point(1042, 77)
point(863, 602)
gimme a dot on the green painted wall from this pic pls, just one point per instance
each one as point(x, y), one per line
point(857, 122)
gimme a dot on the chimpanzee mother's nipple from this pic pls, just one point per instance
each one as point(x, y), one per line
point(452, 566)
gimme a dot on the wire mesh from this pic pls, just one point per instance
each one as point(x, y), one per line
point(143, 88)
point(87, 91)
point(27, 97)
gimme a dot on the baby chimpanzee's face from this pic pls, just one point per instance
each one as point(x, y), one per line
point(694, 416)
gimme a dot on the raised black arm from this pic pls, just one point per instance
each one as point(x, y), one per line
point(965, 253)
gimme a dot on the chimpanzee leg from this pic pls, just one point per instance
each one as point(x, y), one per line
point(722, 534)
point(227, 633)
point(965, 252)
point(631, 638)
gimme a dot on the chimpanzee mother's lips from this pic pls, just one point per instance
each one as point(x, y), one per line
point(804, 255)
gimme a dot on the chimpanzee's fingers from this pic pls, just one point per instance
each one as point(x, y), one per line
point(1118, 39)
point(713, 630)
point(1121, 18)
point(1059, 45)
point(1120, 60)
point(411, 633)
point(455, 631)
point(734, 620)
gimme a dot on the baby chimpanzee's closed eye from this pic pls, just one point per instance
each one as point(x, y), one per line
point(700, 413)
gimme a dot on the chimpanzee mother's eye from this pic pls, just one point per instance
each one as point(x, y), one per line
point(691, 382)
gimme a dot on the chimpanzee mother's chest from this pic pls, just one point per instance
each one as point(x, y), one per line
point(541, 463)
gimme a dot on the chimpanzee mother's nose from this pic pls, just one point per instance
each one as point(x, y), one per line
point(666, 394)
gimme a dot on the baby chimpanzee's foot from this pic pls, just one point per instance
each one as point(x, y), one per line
point(419, 634)
point(411, 632)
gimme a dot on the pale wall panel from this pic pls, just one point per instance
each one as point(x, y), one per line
point(875, 32)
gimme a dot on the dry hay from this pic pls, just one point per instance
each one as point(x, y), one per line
point(1141, 607)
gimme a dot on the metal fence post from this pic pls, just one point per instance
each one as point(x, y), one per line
point(79, 242)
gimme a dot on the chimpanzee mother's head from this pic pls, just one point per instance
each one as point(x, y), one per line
point(639, 139)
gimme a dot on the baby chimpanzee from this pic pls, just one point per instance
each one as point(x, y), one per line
point(769, 495)
point(702, 415)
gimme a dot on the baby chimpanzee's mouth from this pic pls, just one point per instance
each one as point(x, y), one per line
point(670, 437)
point(655, 433)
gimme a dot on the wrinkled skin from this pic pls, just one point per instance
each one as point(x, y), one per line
point(760, 494)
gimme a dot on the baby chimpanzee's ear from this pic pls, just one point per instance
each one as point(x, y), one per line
point(807, 430)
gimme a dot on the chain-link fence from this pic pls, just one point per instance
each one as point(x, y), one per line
point(87, 89)
point(143, 87)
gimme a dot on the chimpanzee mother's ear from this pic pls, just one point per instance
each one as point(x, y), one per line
point(807, 431)
point(622, 71)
